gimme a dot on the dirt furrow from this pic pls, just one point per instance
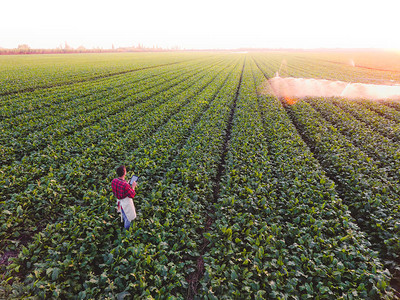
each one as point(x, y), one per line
point(194, 278)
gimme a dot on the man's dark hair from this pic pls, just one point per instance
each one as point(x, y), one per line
point(121, 170)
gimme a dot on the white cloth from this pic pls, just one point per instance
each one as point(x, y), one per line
point(128, 207)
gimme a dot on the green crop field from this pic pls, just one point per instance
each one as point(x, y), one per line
point(240, 195)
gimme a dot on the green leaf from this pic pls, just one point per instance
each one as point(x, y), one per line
point(234, 275)
point(54, 275)
point(122, 295)
point(20, 211)
point(25, 251)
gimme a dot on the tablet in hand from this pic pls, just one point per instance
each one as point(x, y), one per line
point(133, 179)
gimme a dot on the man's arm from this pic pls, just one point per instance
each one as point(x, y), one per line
point(133, 185)
point(131, 189)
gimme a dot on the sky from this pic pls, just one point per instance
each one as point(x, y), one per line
point(205, 24)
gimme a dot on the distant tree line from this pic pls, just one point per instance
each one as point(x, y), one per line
point(25, 49)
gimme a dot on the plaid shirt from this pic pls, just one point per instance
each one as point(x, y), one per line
point(121, 189)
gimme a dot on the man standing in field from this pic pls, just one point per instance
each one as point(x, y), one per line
point(125, 194)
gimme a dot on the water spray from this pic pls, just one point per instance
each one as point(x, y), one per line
point(293, 89)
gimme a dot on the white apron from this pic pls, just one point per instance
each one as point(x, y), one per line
point(128, 207)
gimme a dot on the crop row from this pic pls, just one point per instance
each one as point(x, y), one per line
point(370, 191)
point(385, 111)
point(176, 166)
point(305, 65)
point(57, 97)
point(382, 149)
point(58, 180)
point(182, 97)
point(364, 186)
point(22, 139)
point(281, 230)
point(386, 127)
point(50, 98)
point(393, 104)
point(22, 73)
point(286, 65)
point(225, 181)
point(138, 104)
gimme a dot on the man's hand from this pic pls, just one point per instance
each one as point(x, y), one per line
point(134, 184)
